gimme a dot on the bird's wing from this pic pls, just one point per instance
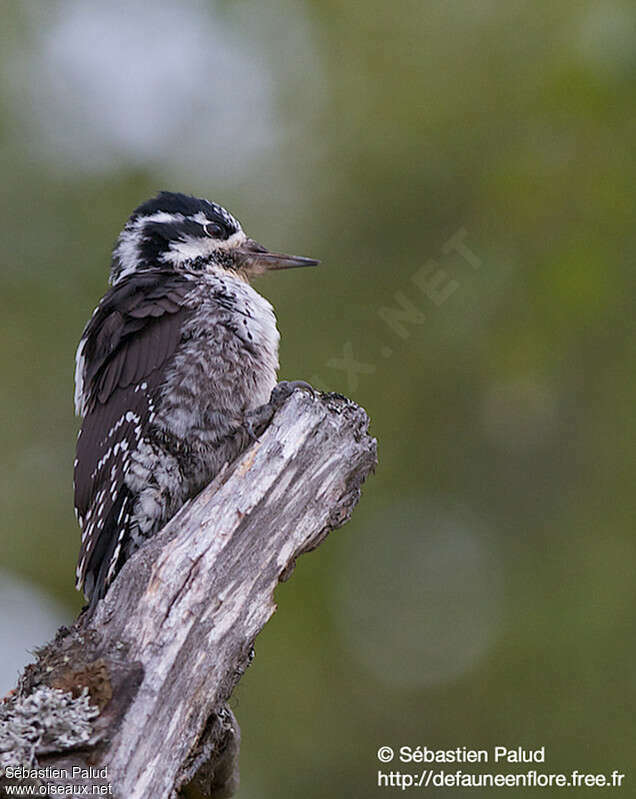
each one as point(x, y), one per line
point(121, 364)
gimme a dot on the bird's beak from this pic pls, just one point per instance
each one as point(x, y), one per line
point(256, 258)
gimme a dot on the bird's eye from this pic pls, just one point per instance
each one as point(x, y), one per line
point(213, 230)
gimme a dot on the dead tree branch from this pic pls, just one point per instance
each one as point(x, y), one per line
point(167, 645)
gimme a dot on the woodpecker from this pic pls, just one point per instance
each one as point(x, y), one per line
point(174, 371)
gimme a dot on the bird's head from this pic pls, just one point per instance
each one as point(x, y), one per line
point(180, 232)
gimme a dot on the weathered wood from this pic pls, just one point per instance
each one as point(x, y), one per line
point(174, 634)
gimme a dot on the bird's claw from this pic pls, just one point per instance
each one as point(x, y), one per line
point(255, 422)
point(248, 426)
point(286, 388)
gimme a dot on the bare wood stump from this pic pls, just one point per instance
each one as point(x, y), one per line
point(165, 648)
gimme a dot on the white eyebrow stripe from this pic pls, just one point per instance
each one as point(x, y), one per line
point(160, 216)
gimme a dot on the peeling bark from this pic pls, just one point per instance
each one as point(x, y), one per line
point(167, 645)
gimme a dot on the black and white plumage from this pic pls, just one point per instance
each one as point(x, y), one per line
point(171, 369)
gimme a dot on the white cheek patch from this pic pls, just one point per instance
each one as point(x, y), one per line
point(186, 249)
point(192, 247)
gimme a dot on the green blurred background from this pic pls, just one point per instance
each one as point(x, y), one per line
point(484, 591)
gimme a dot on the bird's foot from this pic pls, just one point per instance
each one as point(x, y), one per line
point(249, 427)
point(286, 388)
point(255, 422)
